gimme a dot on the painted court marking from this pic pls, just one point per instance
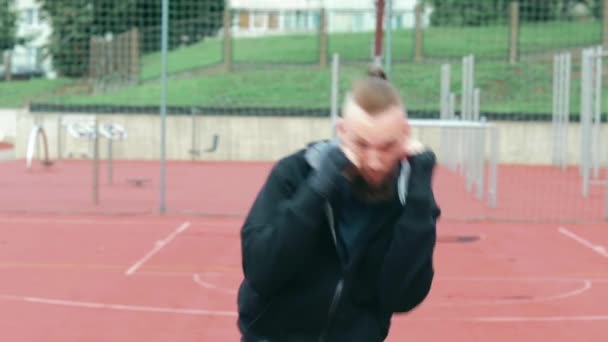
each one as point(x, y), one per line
point(208, 285)
point(78, 222)
point(586, 286)
point(220, 313)
point(158, 246)
point(541, 318)
point(118, 307)
point(601, 250)
point(529, 279)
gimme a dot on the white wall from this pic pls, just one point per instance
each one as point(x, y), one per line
point(8, 124)
point(269, 138)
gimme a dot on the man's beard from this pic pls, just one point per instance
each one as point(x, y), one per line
point(372, 193)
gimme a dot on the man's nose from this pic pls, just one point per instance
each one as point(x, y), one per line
point(373, 161)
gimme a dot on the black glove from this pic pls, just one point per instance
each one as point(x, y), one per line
point(333, 166)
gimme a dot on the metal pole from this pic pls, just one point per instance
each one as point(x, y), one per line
point(379, 33)
point(96, 162)
point(473, 149)
point(471, 84)
point(38, 122)
point(163, 104)
point(481, 155)
point(444, 111)
point(566, 110)
point(476, 103)
point(335, 81)
point(110, 160)
point(556, 100)
point(493, 174)
point(389, 38)
point(453, 145)
point(194, 143)
point(461, 153)
point(465, 88)
point(561, 109)
point(59, 134)
point(445, 90)
point(476, 142)
point(597, 110)
point(586, 116)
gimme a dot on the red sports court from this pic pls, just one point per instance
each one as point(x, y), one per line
point(77, 271)
point(87, 255)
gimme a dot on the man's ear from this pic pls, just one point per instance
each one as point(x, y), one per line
point(340, 129)
point(407, 128)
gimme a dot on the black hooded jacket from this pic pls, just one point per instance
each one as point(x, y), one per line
point(298, 288)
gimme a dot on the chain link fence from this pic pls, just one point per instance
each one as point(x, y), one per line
point(253, 81)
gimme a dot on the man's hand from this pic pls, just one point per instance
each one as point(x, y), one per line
point(337, 162)
point(413, 147)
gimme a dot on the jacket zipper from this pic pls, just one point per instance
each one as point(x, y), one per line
point(332, 309)
point(338, 290)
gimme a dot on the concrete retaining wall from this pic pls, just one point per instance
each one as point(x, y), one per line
point(267, 138)
point(8, 124)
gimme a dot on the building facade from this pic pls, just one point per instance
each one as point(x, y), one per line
point(264, 17)
point(30, 58)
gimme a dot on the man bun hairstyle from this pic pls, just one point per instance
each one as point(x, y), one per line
point(374, 93)
point(376, 71)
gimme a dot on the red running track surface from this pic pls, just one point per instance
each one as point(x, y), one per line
point(66, 278)
point(525, 193)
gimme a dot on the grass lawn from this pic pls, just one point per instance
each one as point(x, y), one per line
point(485, 41)
point(19, 93)
point(505, 88)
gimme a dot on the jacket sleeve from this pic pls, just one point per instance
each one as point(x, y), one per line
point(407, 271)
point(281, 230)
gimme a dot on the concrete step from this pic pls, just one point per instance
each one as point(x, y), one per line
point(7, 151)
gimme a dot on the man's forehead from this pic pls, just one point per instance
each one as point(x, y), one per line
point(352, 109)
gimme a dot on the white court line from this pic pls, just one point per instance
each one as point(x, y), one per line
point(569, 279)
point(540, 318)
point(197, 279)
point(105, 221)
point(587, 284)
point(232, 314)
point(119, 307)
point(601, 250)
point(101, 221)
point(157, 247)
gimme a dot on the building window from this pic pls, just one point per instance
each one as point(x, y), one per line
point(316, 21)
point(301, 20)
point(273, 20)
point(358, 21)
point(288, 20)
point(33, 56)
point(244, 20)
point(258, 20)
point(399, 22)
point(30, 16)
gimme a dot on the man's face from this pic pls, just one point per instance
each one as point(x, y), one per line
point(377, 141)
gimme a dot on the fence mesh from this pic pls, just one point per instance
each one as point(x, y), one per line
point(250, 83)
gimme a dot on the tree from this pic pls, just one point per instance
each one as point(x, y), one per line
point(476, 12)
point(8, 26)
point(74, 22)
